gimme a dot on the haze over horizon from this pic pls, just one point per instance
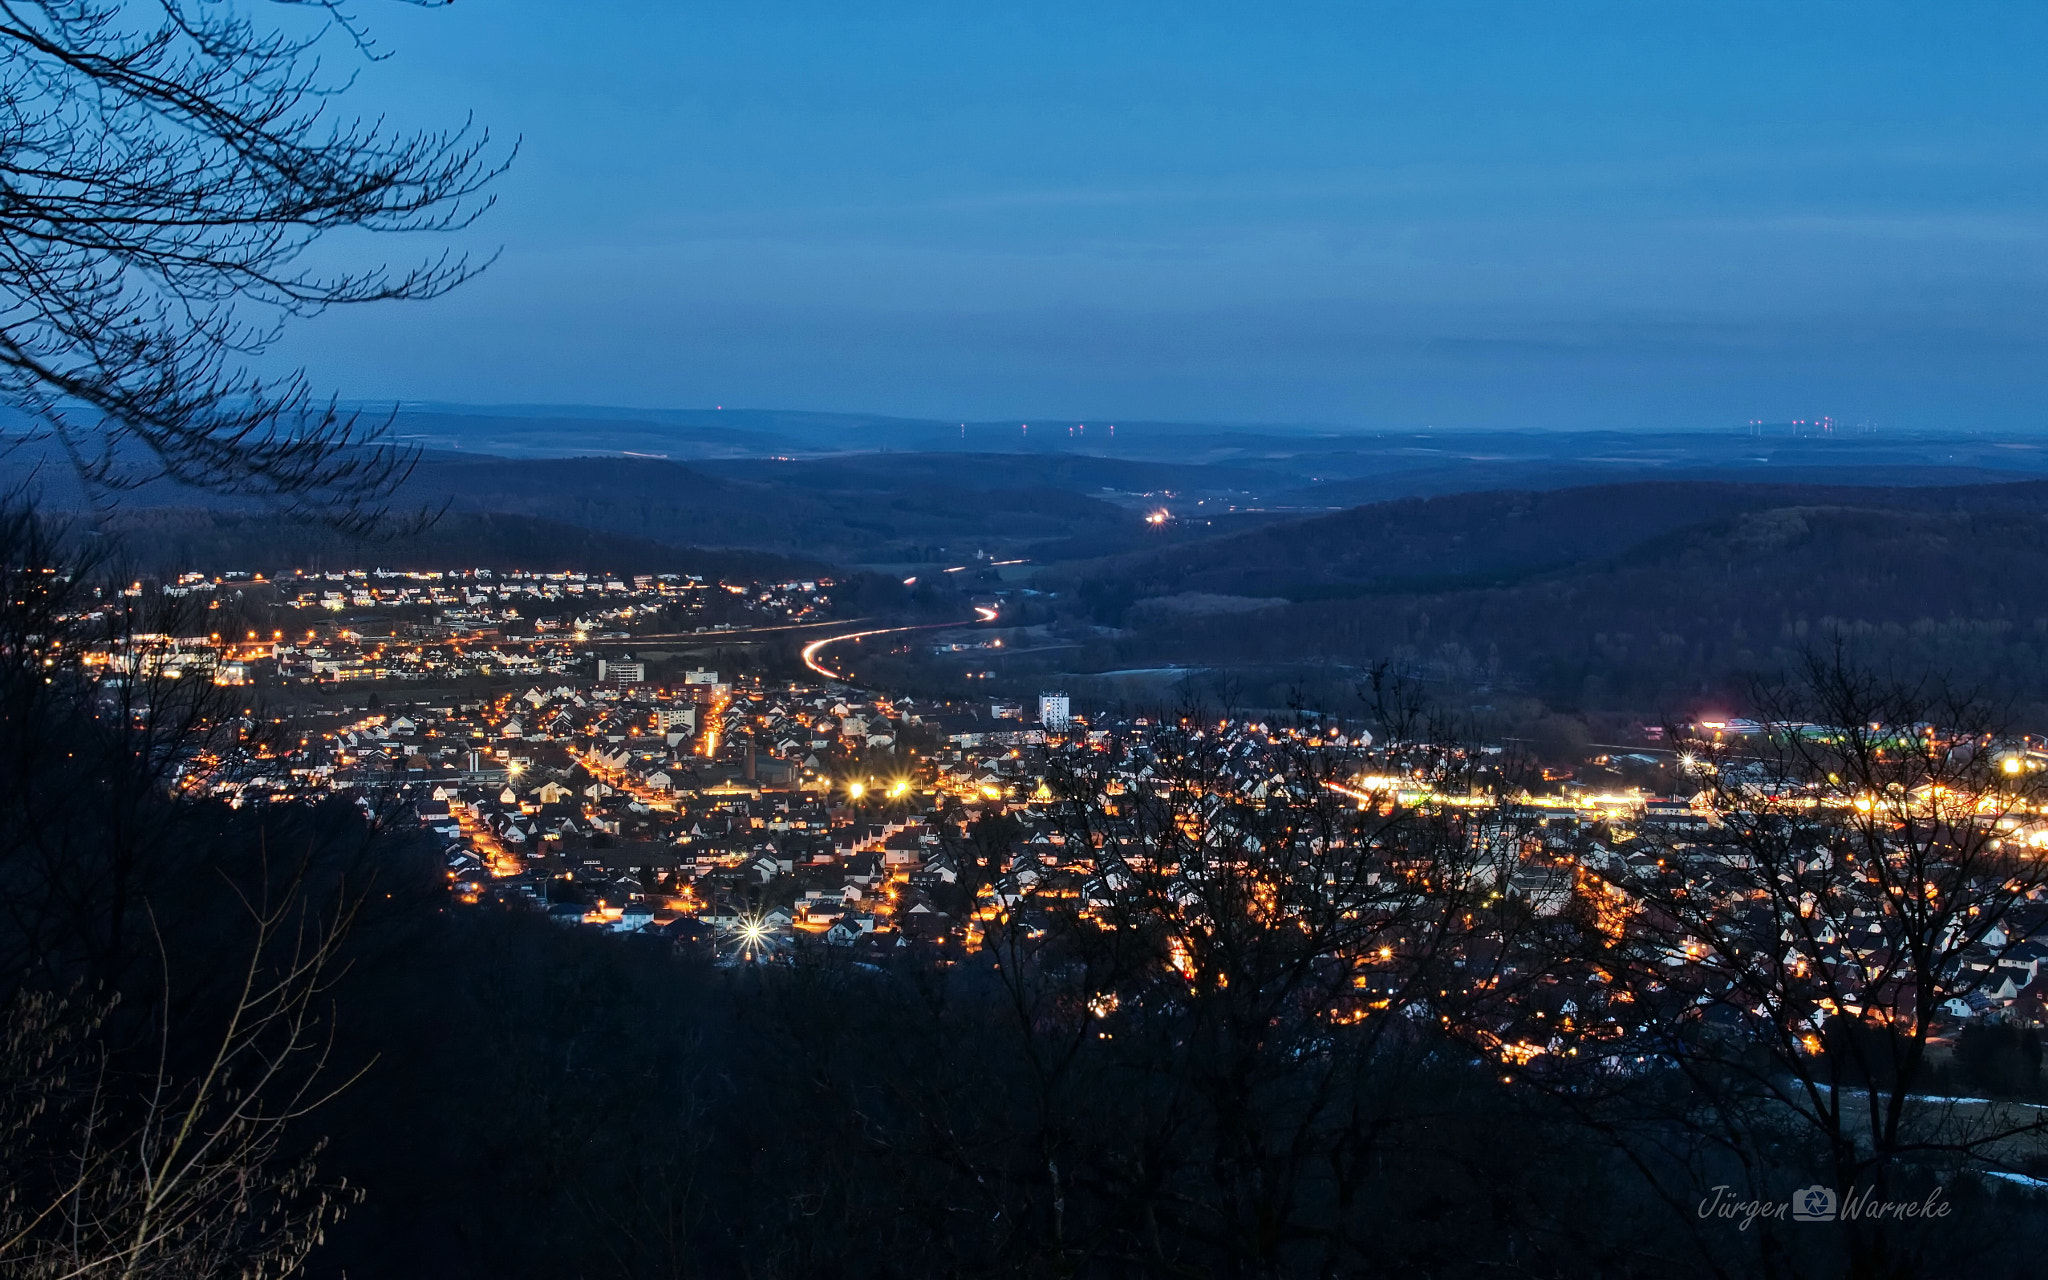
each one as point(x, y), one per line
point(1594, 215)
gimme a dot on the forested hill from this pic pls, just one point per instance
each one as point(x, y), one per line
point(164, 541)
point(1620, 597)
point(1495, 537)
point(842, 517)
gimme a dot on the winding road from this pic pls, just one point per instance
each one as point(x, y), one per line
point(811, 651)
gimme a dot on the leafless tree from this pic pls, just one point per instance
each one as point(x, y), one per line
point(101, 713)
point(1213, 968)
point(167, 169)
point(185, 1173)
point(117, 1161)
point(1767, 983)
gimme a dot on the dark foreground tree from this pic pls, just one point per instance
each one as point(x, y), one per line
point(166, 170)
point(1765, 980)
point(1196, 1029)
point(166, 961)
point(113, 1171)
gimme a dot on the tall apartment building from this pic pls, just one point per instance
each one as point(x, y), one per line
point(1054, 711)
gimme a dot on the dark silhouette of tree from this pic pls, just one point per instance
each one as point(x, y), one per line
point(1760, 991)
point(173, 1171)
point(90, 758)
point(1999, 1058)
point(166, 171)
point(1201, 1010)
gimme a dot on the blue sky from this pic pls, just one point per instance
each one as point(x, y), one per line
point(1514, 214)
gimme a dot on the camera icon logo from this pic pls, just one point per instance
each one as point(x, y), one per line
point(1813, 1204)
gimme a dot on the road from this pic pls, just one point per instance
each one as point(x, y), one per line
point(738, 633)
point(812, 651)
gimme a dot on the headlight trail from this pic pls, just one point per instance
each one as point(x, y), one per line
point(810, 652)
point(816, 647)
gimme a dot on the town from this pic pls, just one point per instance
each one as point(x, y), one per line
point(753, 818)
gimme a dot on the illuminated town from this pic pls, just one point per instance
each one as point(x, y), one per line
point(752, 818)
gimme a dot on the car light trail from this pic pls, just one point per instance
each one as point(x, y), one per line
point(810, 652)
point(816, 647)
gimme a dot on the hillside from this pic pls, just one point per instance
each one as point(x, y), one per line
point(1631, 596)
point(165, 541)
point(842, 517)
point(1496, 537)
point(866, 490)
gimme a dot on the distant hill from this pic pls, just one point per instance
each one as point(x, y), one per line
point(1621, 596)
point(1068, 472)
point(1491, 538)
point(844, 517)
point(553, 431)
point(1475, 477)
point(877, 508)
point(164, 541)
point(855, 489)
point(865, 460)
point(563, 430)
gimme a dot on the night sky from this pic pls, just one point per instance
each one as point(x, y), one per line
point(1516, 214)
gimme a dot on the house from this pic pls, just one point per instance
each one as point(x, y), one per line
point(1544, 890)
point(635, 917)
point(922, 924)
point(2029, 1007)
point(686, 935)
point(849, 929)
point(2022, 962)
